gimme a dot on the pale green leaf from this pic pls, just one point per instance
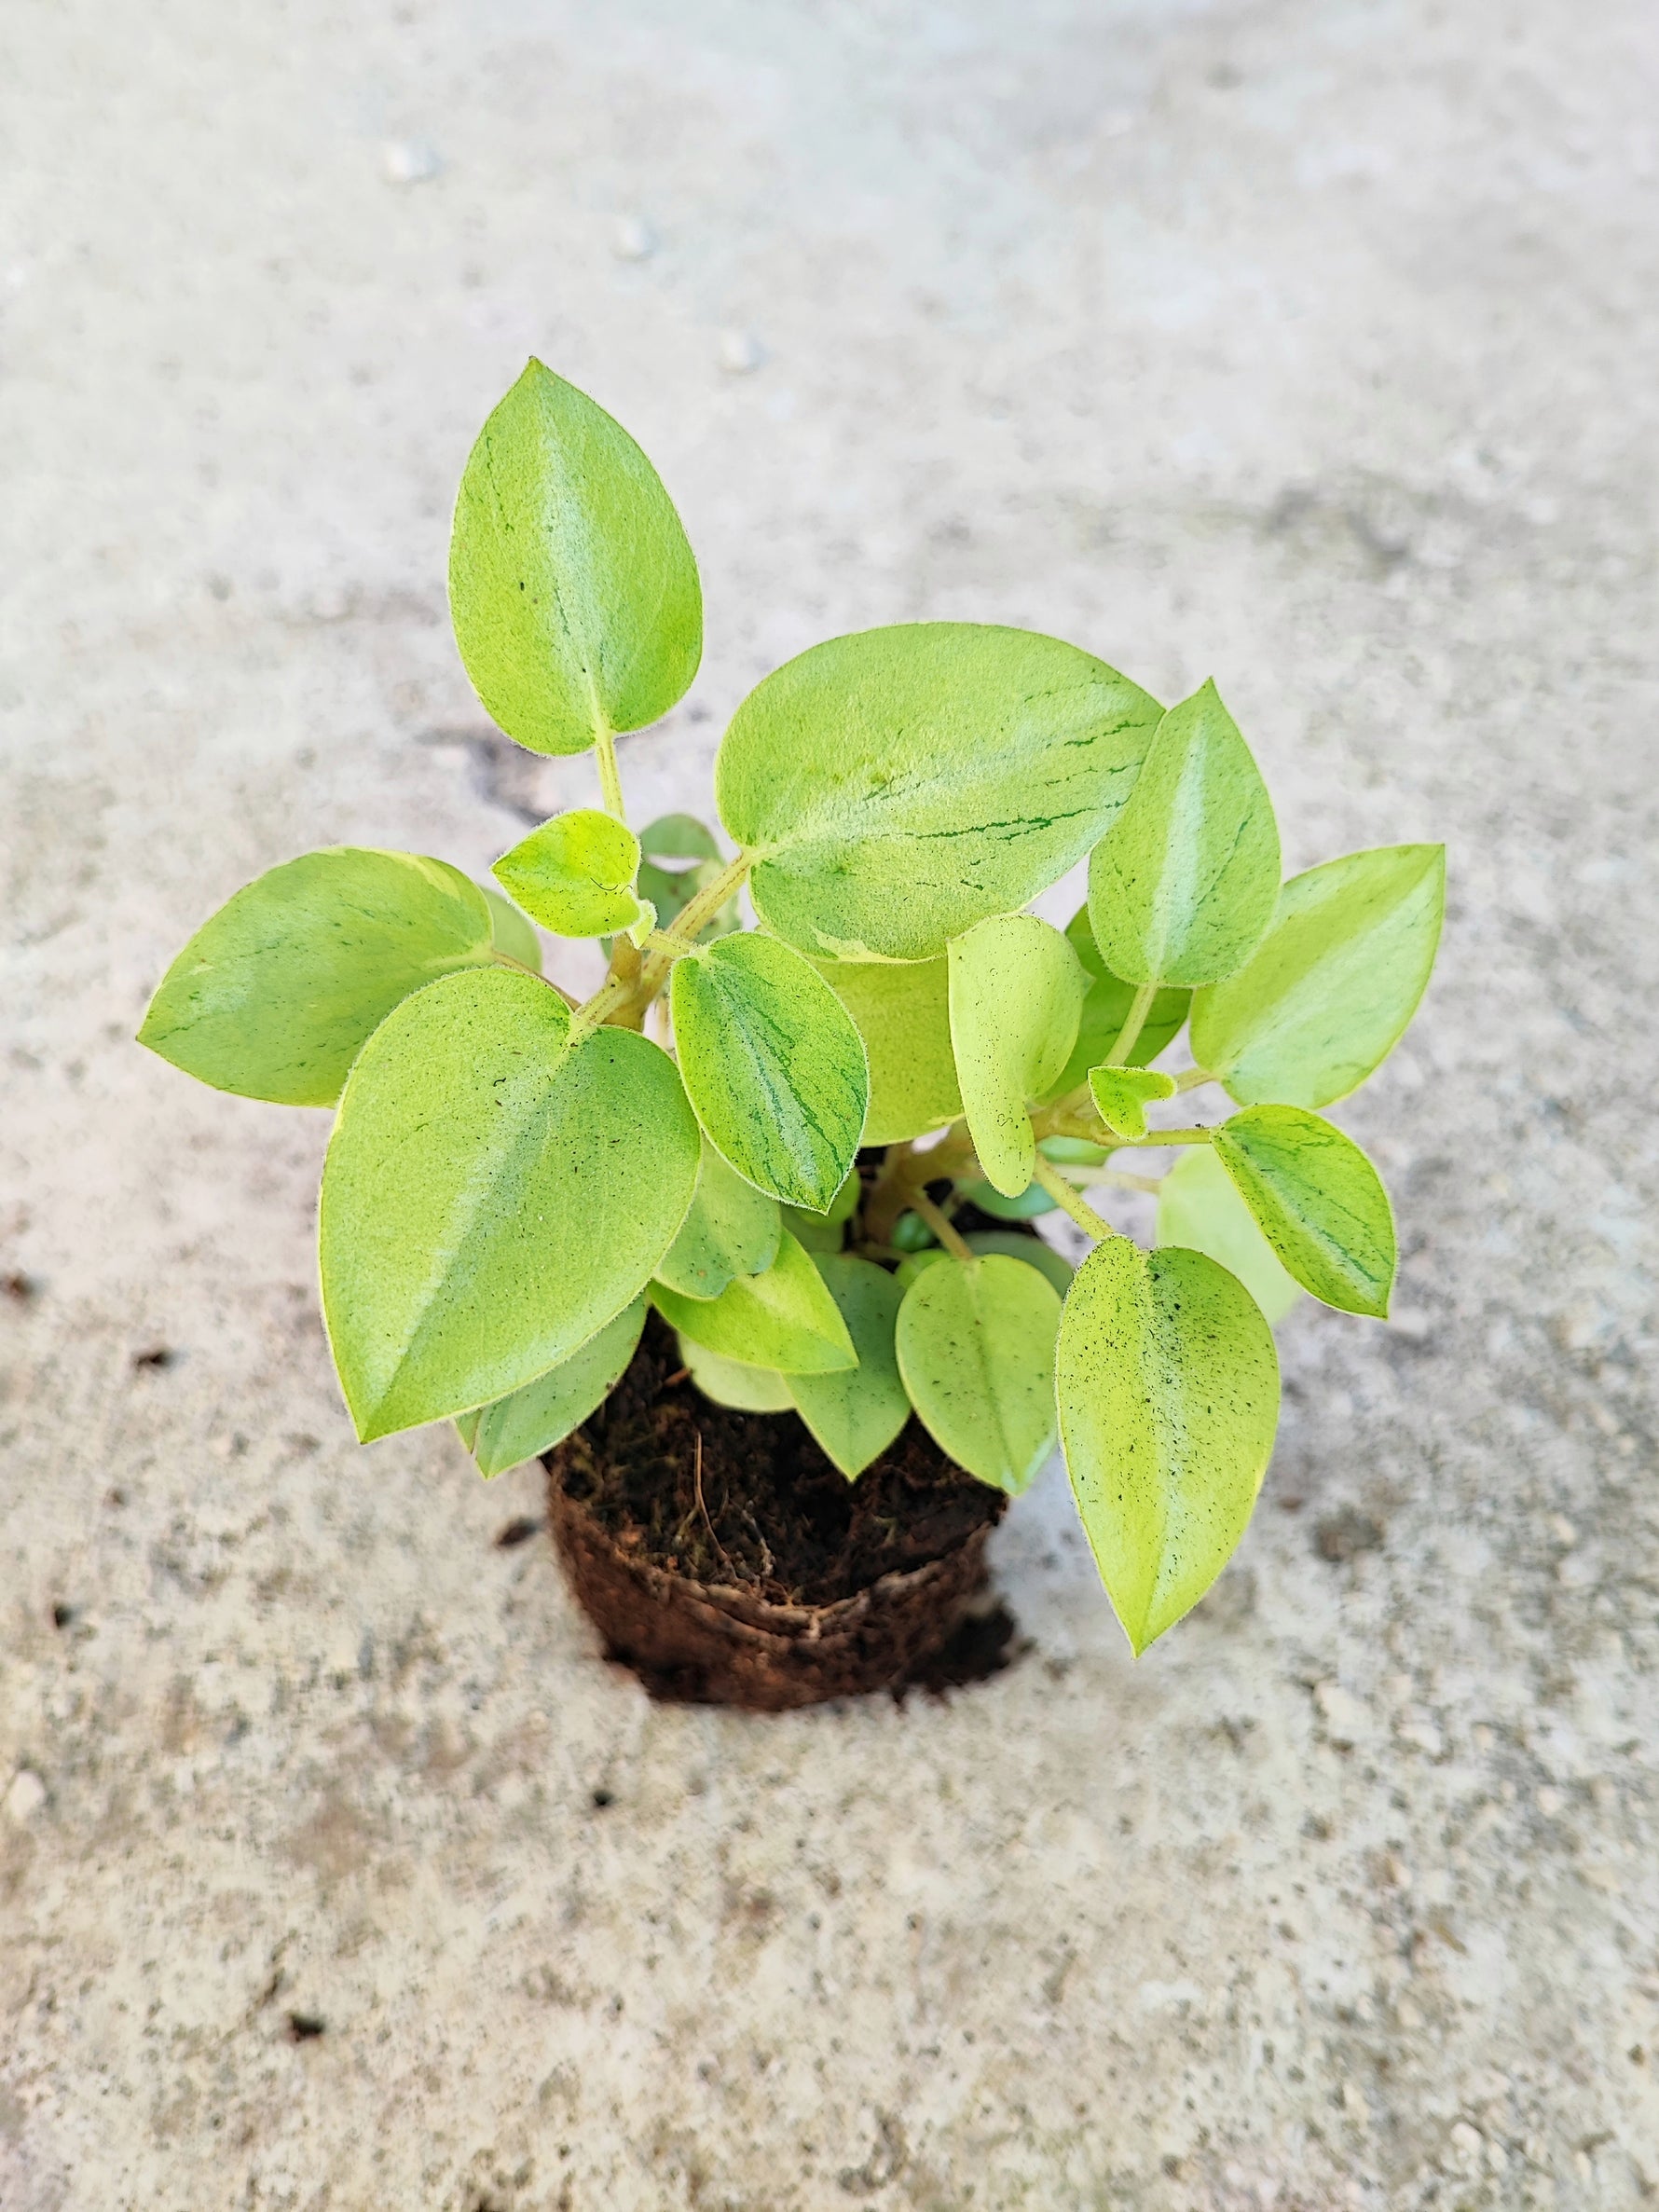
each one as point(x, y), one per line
point(466, 1425)
point(855, 1414)
point(901, 1010)
point(1182, 886)
point(975, 1349)
point(785, 1318)
point(492, 1195)
point(898, 785)
point(277, 994)
point(679, 837)
point(1329, 991)
point(1198, 1206)
point(543, 1413)
point(731, 1382)
point(573, 591)
point(1319, 1201)
point(1104, 1011)
point(1167, 1388)
point(573, 875)
point(772, 1065)
point(1122, 1095)
point(1049, 1263)
point(1016, 990)
point(732, 1230)
point(826, 1233)
point(511, 931)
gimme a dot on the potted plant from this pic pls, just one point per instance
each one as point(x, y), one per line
point(762, 1287)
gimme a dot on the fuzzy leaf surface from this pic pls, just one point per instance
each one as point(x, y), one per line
point(1199, 1206)
point(730, 1382)
point(975, 1349)
point(785, 1318)
point(277, 994)
point(1016, 990)
point(732, 1230)
point(533, 1420)
point(1168, 1387)
point(901, 1010)
point(898, 785)
point(1318, 1201)
point(572, 589)
point(1107, 1009)
point(855, 1414)
point(1182, 886)
point(772, 1065)
point(492, 1195)
point(1329, 993)
point(1122, 1095)
point(573, 875)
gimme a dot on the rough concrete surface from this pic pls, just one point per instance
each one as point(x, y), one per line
point(1307, 343)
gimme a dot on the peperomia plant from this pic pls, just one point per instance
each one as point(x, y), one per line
point(512, 1177)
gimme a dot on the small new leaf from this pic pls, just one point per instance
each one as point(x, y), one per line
point(1016, 990)
point(1319, 1201)
point(975, 1349)
point(732, 1230)
point(1199, 1205)
point(1329, 991)
point(277, 994)
point(573, 591)
point(1167, 1388)
point(785, 1318)
point(1104, 1011)
point(574, 874)
point(1122, 1095)
point(901, 1010)
point(772, 1065)
point(1182, 886)
point(855, 1414)
point(543, 1413)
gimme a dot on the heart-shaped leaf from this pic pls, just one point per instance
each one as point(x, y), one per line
point(1182, 886)
point(1016, 990)
point(573, 591)
point(855, 1414)
point(575, 873)
point(1318, 1201)
point(772, 1065)
point(511, 931)
point(1329, 991)
point(492, 1196)
point(277, 994)
point(897, 786)
point(901, 1010)
point(1104, 1011)
point(730, 1382)
point(784, 1319)
point(975, 1349)
point(543, 1413)
point(1122, 1095)
point(1168, 1387)
point(732, 1230)
point(1199, 1206)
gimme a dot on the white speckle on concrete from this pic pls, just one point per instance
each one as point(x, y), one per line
point(26, 1795)
point(633, 239)
point(409, 161)
point(740, 352)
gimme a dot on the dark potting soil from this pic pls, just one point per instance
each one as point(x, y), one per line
point(749, 1499)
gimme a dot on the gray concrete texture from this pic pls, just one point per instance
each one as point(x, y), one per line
point(1305, 343)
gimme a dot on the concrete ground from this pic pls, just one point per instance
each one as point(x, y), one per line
point(1307, 343)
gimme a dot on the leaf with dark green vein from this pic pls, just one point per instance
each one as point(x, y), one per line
point(277, 994)
point(732, 1230)
point(1008, 1241)
point(1329, 991)
point(543, 1413)
point(730, 1382)
point(1016, 990)
point(511, 931)
point(785, 1318)
point(855, 1414)
point(1318, 1201)
point(826, 1233)
point(1182, 886)
point(574, 874)
point(975, 1349)
point(1168, 1387)
point(1104, 1011)
point(898, 785)
point(492, 1196)
point(1199, 1206)
point(1122, 1095)
point(572, 589)
point(901, 1010)
point(772, 1065)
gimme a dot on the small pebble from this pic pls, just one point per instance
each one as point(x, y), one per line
point(633, 239)
point(740, 352)
point(26, 1795)
point(409, 161)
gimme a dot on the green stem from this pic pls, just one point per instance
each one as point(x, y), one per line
point(610, 789)
point(1192, 1079)
point(690, 923)
point(1117, 1177)
point(1129, 1036)
point(1168, 1136)
point(950, 1237)
point(1060, 1191)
